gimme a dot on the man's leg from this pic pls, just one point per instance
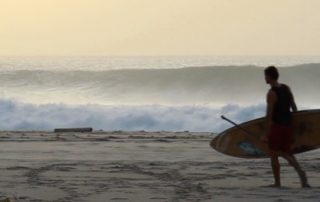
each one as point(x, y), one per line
point(294, 163)
point(275, 168)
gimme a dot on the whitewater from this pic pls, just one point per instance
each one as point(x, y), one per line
point(145, 93)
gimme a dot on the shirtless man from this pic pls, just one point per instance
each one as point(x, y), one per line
point(280, 102)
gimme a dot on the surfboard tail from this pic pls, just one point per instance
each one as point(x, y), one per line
point(213, 143)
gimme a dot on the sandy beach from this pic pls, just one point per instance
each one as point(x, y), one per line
point(152, 83)
point(139, 166)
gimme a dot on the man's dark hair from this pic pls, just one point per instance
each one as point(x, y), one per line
point(272, 72)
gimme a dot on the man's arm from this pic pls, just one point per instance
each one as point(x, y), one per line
point(271, 100)
point(292, 103)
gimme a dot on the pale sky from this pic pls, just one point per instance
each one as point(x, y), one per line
point(159, 27)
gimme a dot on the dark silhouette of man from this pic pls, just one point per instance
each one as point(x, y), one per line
point(280, 102)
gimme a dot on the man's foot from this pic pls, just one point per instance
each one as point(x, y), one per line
point(306, 185)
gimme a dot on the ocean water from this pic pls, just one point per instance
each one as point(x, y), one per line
point(145, 93)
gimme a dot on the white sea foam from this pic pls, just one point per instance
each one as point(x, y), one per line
point(15, 115)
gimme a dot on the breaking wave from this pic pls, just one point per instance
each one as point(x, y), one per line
point(175, 99)
point(23, 116)
point(185, 86)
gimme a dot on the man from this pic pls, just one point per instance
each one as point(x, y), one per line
point(280, 102)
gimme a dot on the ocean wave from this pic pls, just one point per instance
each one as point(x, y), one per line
point(186, 86)
point(23, 116)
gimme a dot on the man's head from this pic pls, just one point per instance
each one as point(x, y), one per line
point(271, 74)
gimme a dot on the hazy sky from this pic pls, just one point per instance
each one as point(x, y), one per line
point(159, 27)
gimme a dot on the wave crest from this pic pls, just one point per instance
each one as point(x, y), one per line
point(186, 86)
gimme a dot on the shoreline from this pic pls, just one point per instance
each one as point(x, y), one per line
point(99, 135)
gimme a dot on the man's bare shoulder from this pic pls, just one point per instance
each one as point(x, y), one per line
point(271, 96)
point(271, 93)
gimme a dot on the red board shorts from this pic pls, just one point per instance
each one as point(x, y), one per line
point(280, 138)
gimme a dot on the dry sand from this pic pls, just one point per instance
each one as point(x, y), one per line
point(139, 166)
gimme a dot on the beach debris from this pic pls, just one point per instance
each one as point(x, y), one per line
point(66, 130)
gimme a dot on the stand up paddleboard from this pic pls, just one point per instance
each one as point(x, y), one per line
point(245, 140)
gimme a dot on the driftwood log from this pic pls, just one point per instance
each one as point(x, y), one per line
point(66, 130)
